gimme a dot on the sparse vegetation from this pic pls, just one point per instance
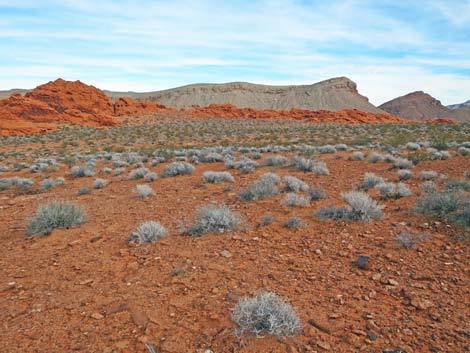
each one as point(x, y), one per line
point(148, 232)
point(214, 219)
point(54, 215)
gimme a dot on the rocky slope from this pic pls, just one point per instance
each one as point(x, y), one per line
point(334, 94)
point(421, 106)
point(54, 103)
point(465, 105)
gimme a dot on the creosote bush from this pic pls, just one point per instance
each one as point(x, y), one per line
point(276, 161)
point(100, 183)
point(266, 313)
point(148, 232)
point(214, 219)
point(53, 215)
point(370, 181)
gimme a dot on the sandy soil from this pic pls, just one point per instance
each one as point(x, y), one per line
point(87, 290)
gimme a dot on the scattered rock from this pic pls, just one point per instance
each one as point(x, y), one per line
point(97, 316)
point(363, 262)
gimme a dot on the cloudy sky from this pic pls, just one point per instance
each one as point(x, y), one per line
point(389, 48)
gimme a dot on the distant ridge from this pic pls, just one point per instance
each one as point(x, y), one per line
point(422, 106)
point(334, 94)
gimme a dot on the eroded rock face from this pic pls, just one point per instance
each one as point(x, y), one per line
point(52, 104)
point(128, 106)
point(346, 116)
point(63, 95)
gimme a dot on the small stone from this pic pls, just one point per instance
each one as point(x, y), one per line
point(324, 345)
point(372, 335)
point(392, 282)
point(97, 316)
point(318, 252)
point(421, 304)
point(226, 254)
point(363, 262)
point(376, 277)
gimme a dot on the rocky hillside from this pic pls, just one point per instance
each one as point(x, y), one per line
point(334, 94)
point(465, 105)
point(422, 106)
point(59, 102)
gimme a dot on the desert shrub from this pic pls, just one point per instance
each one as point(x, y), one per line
point(6, 183)
point(100, 183)
point(327, 149)
point(148, 232)
point(358, 156)
point(464, 151)
point(272, 178)
point(106, 170)
point(462, 217)
point(402, 163)
point(362, 206)
point(303, 164)
point(392, 190)
point(457, 185)
point(53, 215)
point(178, 168)
point(429, 186)
point(276, 161)
point(410, 241)
point(144, 191)
point(402, 190)
point(83, 191)
point(266, 220)
point(341, 147)
point(218, 177)
point(47, 184)
point(118, 171)
point(211, 157)
point(437, 204)
point(151, 176)
point(82, 171)
point(138, 173)
point(295, 200)
point(386, 190)
point(370, 181)
point(428, 175)
point(333, 212)
point(375, 157)
point(59, 181)
point(23, 184)
point(245, 164)
point(214, 219)
point(264, 187)
point(404, 174)
point(439, 155)
point(316, 193)
point(320, 168)
point(292, 223)
point(412, 146)
point(293, 184)
point(266, 313)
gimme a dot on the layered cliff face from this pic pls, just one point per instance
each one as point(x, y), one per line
point(421, 106)
point(47, 106)
point(333, 95)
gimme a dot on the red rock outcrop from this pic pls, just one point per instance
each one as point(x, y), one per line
point(347, 116)
point(57, 102)
point(128, 106)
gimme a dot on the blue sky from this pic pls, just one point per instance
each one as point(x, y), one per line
point(389, 48)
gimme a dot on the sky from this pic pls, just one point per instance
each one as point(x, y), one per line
point(389, 48)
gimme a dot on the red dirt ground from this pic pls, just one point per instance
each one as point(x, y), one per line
point(87, 290)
